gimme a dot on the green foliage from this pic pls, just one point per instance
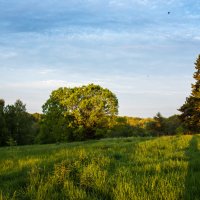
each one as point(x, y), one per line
point(190, 111)
point(18, 123)
point(11, 142)
point(35, 126)
point(118, 169)
point(173, 125)
point(60, 124)
point(76, 113)
point(157, 126)
point(3, 129)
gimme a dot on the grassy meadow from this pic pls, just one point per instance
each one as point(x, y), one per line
point(119, 169)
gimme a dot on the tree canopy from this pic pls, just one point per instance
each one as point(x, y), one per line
point(190, 111)
point(81, 110)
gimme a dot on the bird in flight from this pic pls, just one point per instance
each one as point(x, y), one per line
point(168, 13)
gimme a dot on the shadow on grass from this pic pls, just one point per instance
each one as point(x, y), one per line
point(13, 183)
point(192, 181)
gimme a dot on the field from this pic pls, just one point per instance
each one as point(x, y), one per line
point(120, 169)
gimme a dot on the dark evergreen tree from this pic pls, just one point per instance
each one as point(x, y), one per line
point(190, 111)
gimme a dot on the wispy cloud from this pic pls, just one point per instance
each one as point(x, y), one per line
point(47, 71)
point(41, 85)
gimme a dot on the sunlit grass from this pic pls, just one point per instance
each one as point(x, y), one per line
point(121, 169)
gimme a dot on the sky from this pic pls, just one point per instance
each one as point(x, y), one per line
point(132, 47)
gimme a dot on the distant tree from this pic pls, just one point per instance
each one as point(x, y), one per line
point(3, 129)
point(173, 125)
point(190, 110)
point(79, 112)
point(157, 126)
point(36, 116)
point(120, 128)
point(18, 123)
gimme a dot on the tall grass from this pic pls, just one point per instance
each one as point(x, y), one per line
point(121, 169)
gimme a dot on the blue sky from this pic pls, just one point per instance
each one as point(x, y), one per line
point(132, 47)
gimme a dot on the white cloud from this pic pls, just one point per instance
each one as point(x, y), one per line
point(46, 71)
point(197, 38)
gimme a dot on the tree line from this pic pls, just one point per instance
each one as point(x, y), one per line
point(18, 127)
point(91, 112)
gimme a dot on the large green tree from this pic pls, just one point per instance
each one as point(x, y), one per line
point(190, 111)
point(79, 112)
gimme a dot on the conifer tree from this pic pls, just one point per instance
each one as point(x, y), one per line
point(190, 111)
